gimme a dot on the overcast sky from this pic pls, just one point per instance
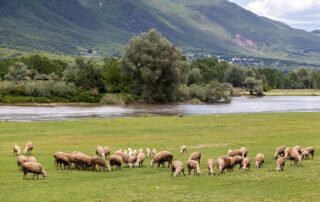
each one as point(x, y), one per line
point(303, 14)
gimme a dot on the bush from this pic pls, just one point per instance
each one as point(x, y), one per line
point(7, 87)
point(63, 89)
point(197, 91)
point(218, 93)
point(183, 93)
point(39, 88)
point(116, 99)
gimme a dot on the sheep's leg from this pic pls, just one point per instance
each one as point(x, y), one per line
point(33, 176)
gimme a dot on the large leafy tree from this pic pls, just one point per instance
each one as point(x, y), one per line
point(157, 68)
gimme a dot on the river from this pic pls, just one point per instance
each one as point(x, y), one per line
point(238, 105)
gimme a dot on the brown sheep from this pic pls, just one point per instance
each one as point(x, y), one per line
point(308, 151)
point(280, 163)
point(232, 153)
point(245, 165)
point(132, 161)
point(239, 160)
point(28, 148)
point(83, 161)
point(298, 148)
point(183, 149)
point(32, 159)
point(259, 160)
point(229, 163)
point(195, 156)
point(16, 150)
point(115, 160)
point(244, 151)
point(279, 151)
point(62, 158)
point(72, 158)
point(177, 168)
point(100, 161)
point(125, 157)
point(107, 151)
point(161, 157)
point(210, 166)
point(221, 165)
point(35, 168)
point(21, 160)
point(140, 158)
point(100, 152)
point(193, 165)
point(293, 155)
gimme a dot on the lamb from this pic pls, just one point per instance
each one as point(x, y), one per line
point(148, 151)
point(195, 156)
point(307, 151)
point(125, 157)
point(298, 148)
point(115, 160)
point(62, 158)
point(107, 151)
point(32, 159)
point(245, 165)
point(183, 149)
point(232, 153)
point(293, 155)
point(100, 152)
point(279, 151)
point(28, 148)
point(140, 158)
point(280, 163)
point(83, 161)
point(161, 158)
point(259, 160)
point(97, 160)
point(177, 168)
point(210, 166)
point(193, 165)
point(244, 151)
point(35, 168)
point(21, 160)
point(16, 150)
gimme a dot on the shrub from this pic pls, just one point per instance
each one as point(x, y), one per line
point(7, 87)
point(183, 93)
point(63, 89)
point(197, 91)
point(116, 99)
point(39, 88)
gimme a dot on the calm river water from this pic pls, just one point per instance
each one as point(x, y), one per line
point(238, 105)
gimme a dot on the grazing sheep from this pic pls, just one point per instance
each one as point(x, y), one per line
point(239, 160)
point(83, 161)
point(28, 148)
point(32, 159)
point(245, 165)
point(195, 156)
point(148, 151)
point(308, 151)
point(72, 158)
point(35, 168)
point(100, 161)
point(177, 168)
point(293, 155)
point(161, 158)
point(107, 151)
point(132, 161)
point(62, 158)
point(280, 163)
point(130, 152)
point(153, 152)
point(183, 149)
point(21, 160)
point(279, 151)
point(140, 151)
point(244, 151)
point(210, 166)
point(220, 165)
point(140, 158)
point(233, 153)
point(259, 160)
point(16, 150)
point(115, 160)
point(100, 152)
point(125, 157)
point(229, 163)
point(193, 165)
point(298, 148)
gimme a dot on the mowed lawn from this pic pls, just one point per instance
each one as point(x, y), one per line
point(211, 135)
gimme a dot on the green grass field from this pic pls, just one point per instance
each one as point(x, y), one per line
point(211, 135)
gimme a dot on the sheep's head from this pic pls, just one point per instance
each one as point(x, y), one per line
point(257, 164)
point(44, 173)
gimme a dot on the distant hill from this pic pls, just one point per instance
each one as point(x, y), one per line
point(197, 26)
point(316, 31)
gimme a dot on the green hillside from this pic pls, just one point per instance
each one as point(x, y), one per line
point(197, 26)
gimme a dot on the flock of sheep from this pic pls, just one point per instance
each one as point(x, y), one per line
point(135, 158)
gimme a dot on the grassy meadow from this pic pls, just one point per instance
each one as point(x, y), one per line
point(211, 135)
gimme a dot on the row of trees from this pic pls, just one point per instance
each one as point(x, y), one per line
point(151, 69)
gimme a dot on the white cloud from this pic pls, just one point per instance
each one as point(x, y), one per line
point(303, 14)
